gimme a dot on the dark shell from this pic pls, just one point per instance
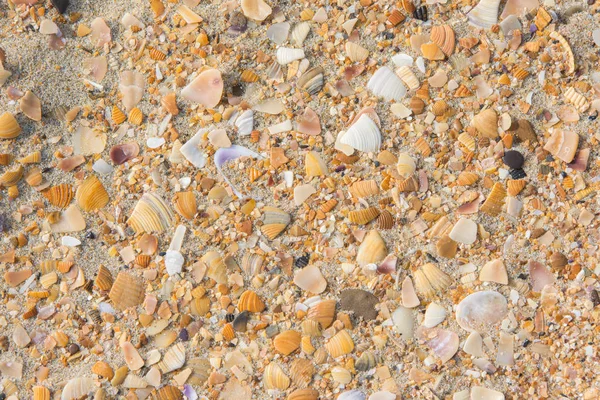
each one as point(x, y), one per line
point(513, 159)
point(61, 5)
point(421, 13)
point(517, 173)
point(122, 153)
point(240, 322)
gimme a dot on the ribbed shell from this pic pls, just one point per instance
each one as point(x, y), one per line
point(311, 81)
point(9, 127)
point(151, 214)
point(31, 158)
point(135, 116)
point(323, 312)
point(495, 200)
point(60, 195)
point(300, 32)
point(173, 359)
point(104, 279)
point(384, 83)
point(168, 392)
point(443, 37)
point(91, 194)
point(365, 188)
point(356, 52)
point(363, 217)
point(385, 220)
point(118, 116)
point(127, 291)
point(287, 342)
point(185, 204)
point(363, 135)
point(340, 344)
point(408, 77)
point(485, 14)
point(286, 55)
point(274, 222)
point(12, 176)
point(245, 123)
point(301, 372)
point(467, 178)
point(275, 378)
point(249, 301)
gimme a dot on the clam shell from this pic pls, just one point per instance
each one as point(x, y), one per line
point(127, 291)
point(41, 393)
point(434, 315)
point(363, 217)
point(275, 378)
point(486, 123)
point(443, 343)
point(278, 33)
point(91, 194)
point(121, 153)
point(311, 81)
point(31, 106)
point(168, 392)
point(5, 158)
point(372, 249)
point(341, 375)
point(185, 204)
point(310, 279)
point(467, 178)
point(385, 220)
point(249, 301)
point(384, 83)
point(443, 37)
point(363, 189)
point(495, 200)
point(217, 270)
point(355, 52)
point(200, 306)
point(406, 165)
point(257, 10)
point(287, 342)
point(245, 123)
point(252, 264)
point(88, 142)
point(366, 361)
point(485, 14)
point(286, 55)
point(12, 176)
point(464, 231)
point(205, 89)
point(151, 214)
point(77, 388)
point(173, 359)
point(563, 145)
point(323, 312)
point(131, 86)
point(275, 221)
point(479, 311)
point(304, 394)
point(60, 195)
point(340, 344)
point(301, 372)
point(363, 135)
point(104, 279)
point(408, 77)
point(300, 32)
point(314, 164)
point(494, 271)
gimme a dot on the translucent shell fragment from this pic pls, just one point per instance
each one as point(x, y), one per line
point(206, 88)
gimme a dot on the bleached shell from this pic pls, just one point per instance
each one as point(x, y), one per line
point(443, 343)
point(31, 106)
point(352, 395)
point(382, 395)
point(245, 123)
point(408, 77)
point(70, 220)
point(480, 310)
point(340, 344)
point(311, 81)
point(363, 135)
point(406, 165)
point(286, 55)
point(129, 20)
point(372, 249)
point(434, 315)
point(474, 345)
point(437, 278)
point(91, 194)
point(485, 14)
point(385, 83)
point(206, 88)
point(464, 231)
point(341, 375)
point(257, 10)
point(402, 60)
point(494, 271)
point(300, 32)
point(95, 67)
point(278, 33)
point(151, 214)
point(483, 393)
point(310, 279)
point(77, 388)
point(133, 381)
point(356, 52)
point(275, 378)
point(563, 145)
point(403, 321)
point(173, 359)
point(217, 270)
point(192, 152)
point(131, 86)
point(540, 276)
point(88, 142)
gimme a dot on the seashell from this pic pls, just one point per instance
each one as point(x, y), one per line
point(520, 73)
point(5, 158)
point(188, 15)
point(133, 381)
point(127, 291)
point(563, 145)
point(173, 359)
point(41, 393)
point(131, 86)
point(323, 312)
point(300, 32)
point(408, 77)
point(95, 67)
point(406, 165)
point(495, 200)
point(185, 204)
point(434, 315)
point(363, 135)
point(88, 142)
point(169, 103)
point(466, 178)
point(249, 301)
point(565, 45)
point(494, 271)
point(100, 33)
point(464, 231)
point(151, 214)
point(135, 116)
point(417, 105)
point(168, 392)
point(431, 51)
point(479, 311)
point(363, 189)
point(396, 17)
point(248, 76)
point(217, 270)
point(104, 279)
point(483, 393)
point(311, 81)
point(474, 345)
point(341, 375)
point(245, 123)
point(309, 123)
point(31, 106)
point(275, 221)
point(200, 306)
point(70, 220)
point(355, 52)
point(275, 378)
point(301, 372)
point(485, 14)
point(103, 369)
point(206, 88)
point(286, 55)
point(540, 276)
point(558, 261)
point(430, 278)
point(59, 196)
point(463, 91)
point(121, 153)
point(287, 342)
point(443, 37)
point(310, 279)
point(9, 127)
point(304, 394)
point(340, 344)
point(385, 220)
point(443, 343)
point(384, 83)
point(257, 10)
point(156, 54)
point(91, 194)
point(467, 140)
point(353, 394)
point(577, 99)
point(76, 388)
point(31, 158)
point(486, 123)
point(311, 328)
point(252, 264)
point(372, 249)
point(366, 362)
point(439, 108)
point(363, 217)
point(11, 177)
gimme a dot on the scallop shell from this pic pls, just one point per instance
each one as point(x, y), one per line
point(372, 249)
point(286, 55)
point(77, 388)
point(151, 214)
point(563, 42)
point(408, 77)
point(385, 83)
point(406, 165)
point(185, 204)
point(304, 394)
point(200, 306)
point(443, 37)
point(467, 178)
point(310, 279)
point(12, 176)
point(31, 158)
point(301, 372)
point(173, 359)
point(168, 392)
point(205, 89)
point(515, 186)
point(275, 378)
point(41, 393)
point(434, 315)
point(257, 10)
point(495, 200)
point(467, 140)
point(300, 32)
point(355, 52)
point(91, 194)
point(310, 328)
point(323, 312)
point(245, 123)
point(363, 135)
point(60, 195)
point(363, 189)
point(31, 106)
point(275, 221)
point(430, 278)
point(485, 14)
point(340, 344)
point(486, 123)
point(127, 291)
point(363, 217)
point(287, 342)
point(431, 51)
point(494, 271)
point(249, 301)
point(311, 81)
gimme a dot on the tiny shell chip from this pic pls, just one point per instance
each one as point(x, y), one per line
point(309, 123)
point(479, 311)
point(127, 291)
point(409, 296)
point(206, 88)
point(464, 231)
point(385, 83)
point(257, 10)
point(311, 279)
point(494, 271)
point(151, 214)
point(88, 142)
point(31, 106)
point(91, 194)
point(100, 33)
point(314, 164)
point(340, 344)
point(434, 315)
point(563, 145)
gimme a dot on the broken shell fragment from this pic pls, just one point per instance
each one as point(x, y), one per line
point(486, 123)
point(363, 135)
point(151, 214)
point(563, 145)
point(356, 52)
point(60, 195)
point(257, 10)
point(121, 153)
point(340, 344)
point(100, 32)
point(185, 204)
point(485, 14)
point(287, 342)
point(31, 106)
point(126, 291)
point(286, 55)
point(443, 343)
point(494, 271)
point(206, 88)
point(481, 310)
point(434, 315)
point(309, 123)
point(385, 83)
point(131, 86)
point(77, 388)
point(464, 231)
point(310, 279)
point(249, 301)
point(372, 249)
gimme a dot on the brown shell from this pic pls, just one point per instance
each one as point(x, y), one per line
point(5, 158)
point(409, 184)
point(323, 312)
point(495, 200)
point(157, 55)
point(185, 204)
point(417, 105)
point(249, 76)
point(91, 194)
point(287, 342)
point(396, 17)
point(304, 394)
point(363, 217)
point(520, 73)
point(104, 279)
point(103, 369)
point(439, 108)
point(385, 220)
point(515, 186)
point(59, 196)
point(127, 291)
point(467, 178)
point(118, 116)
point(364, 188)
point(443, 36)
point(41, 393)
point(12, 176)
point(143, 260)
point(249, 301)
point(463, 91)
point(432, 51)
point(301, 372)
point(167, 392)
point(136, 116)
point(9, 127)
point(31, 158)
point(423, 147)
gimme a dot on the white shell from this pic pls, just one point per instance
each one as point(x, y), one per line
point(286, 55)
point(278, 33)
point(173, 359)
point(245, 123)
point(352, 395)
point(284, 126)
point(385, 83)
point(485, 14)
point(506, 350)
point(404, 323)
point(382, 395)
point(464, 231)
point(191, 150)
point(363, 135)
point(474, 345)
point(133, 381)
point(300, 33)
point(434, 315)
point(402, 60)
point(76, 388)
point(482, 393)
point(478, 311)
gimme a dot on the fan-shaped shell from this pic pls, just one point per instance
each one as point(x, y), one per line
point(495, 200)
point(300, 32)
point(206, 88)
point(286, 55)
point(406, 165)
point(467, 140)
point(60, 195)
point(12, 176)
point(486, 123)
point(363, 135)
point(408, 77)
point(467, 178)
point(9, 127)
point(126, 291)
point(385, 83)
point(364, 216)
point(287, 342)
point(443, 37)
point(173, 359)
point(301, 372)
point(304, 394)
point(245, 123)
point(311, 81)
point(372, 249)
point(385, 220)
point(366, 188)
point(275, 221)
point(77, 388)
point(91, 194)
point(434, 315)
point(366, 361)
point(151, 214)
point(249, 301)
point(323, 312)
point(430, 278)
point(485, 14)
point(340, 344)
point(356, 52)
point(185, 204)
point(275, 378)
point(514, 186)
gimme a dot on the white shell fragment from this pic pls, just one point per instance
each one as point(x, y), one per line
point(434, 315)
point(464, 231)
point(191, 150)
point(245, 123)
point(363, 135)
point(481, 310)
point(286, 55)
point(385, 83)
point(485, 14)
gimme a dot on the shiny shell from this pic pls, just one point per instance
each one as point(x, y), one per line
point(249, 301)
point(9, 127)
point(442, 342)
point(480, 310)
point(185, 204)
point(275, 221)
point(311, 81)
point(323, 312)
point(340, 344)
point(91, 194)
point(12, 176)
point(206, 88)
point(135, 116)
point(287, 342)
point(275, 378)
point(127, 291)
point(151, 214)
point(103, 369)
point(372, 249)
point(60, 195)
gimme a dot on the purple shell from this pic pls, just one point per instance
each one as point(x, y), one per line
point(231, 153)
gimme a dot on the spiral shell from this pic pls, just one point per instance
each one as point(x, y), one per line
point(275, 221)
point(9, 127)
point(31, 158)
point(340, 344)
point(275, 378)
point(151, 214)
point(300, 32)
point(249, 301)
point(363, 217)
point(126, 291)
point(157, 55)
point(59, 196)
point(185, 204)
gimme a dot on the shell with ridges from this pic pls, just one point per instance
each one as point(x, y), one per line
point(91, 194)
point(77, 388)
point(311, 81)
point(304, 394)
point(300, 32)
point(486, 123)
point(168, 392)
point(363, 135)
point(385, 220)
point(385, 83)
point(127, 291)
point(275, 221)
point(104, 279)
point(60, 195)
point(340, 344)
point(34, 177)
point(245, 123)
point(362, 189)
point(467, 140)
point(515, 186)
point(12, 176)
point(275, 378)
point(9, 127)
point(301, 372)
point(485, 14)
point(151, 214)
point(323, 312)
point(185, 204)
point(249, 301)
point(31, 158)
point(363, 217)
point(173, 359)
point(356, 52)
point(495, 200)
point(408, 77)
point(372, 249)
point(287, 342)
point(467, 178)
point(135, 116)
point(286, 55)
point(443, 36)
point(118, 116)
point(406, 165)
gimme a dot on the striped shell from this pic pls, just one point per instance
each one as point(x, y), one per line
point(340, 344)
point(406, 165)
point(60, 195)
point(300, 32)
point(287, 55)
point(408, 77)
point(439, 108)
point(12, 176)
point(168, 392)
point(385, 220)
point(157, 55)
point(31, 158)
point(356, 52)
point(362, 189)
point(5, 158)
point(485, 14)
point(577, 99)
point(467, 140)
point(275, 221)
point(372, 249)
point(486, 123)
point(173, 359)
point(520, 73)
point(463, 91)
point(248, 76)
point(135, 116)
point(118, 116)
point(423, 147)
point(495, 200)
point(41, 393)
point(323, 312)
point(430, 278)
point(304, 394)
point(126, 291)
point(364, 135)
point(91, 194)
point(249, 301)
point(385, 83)
point(443, 37)
point(363, 217)
point(185, 204)
point(287, 342)
point(151, 214)
point(515, 186)
point(9, 127)
point(104, 279)
point(275, 378)
point(563, 42)
point(301, 372)
point(311, 81)
point(467, 178)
